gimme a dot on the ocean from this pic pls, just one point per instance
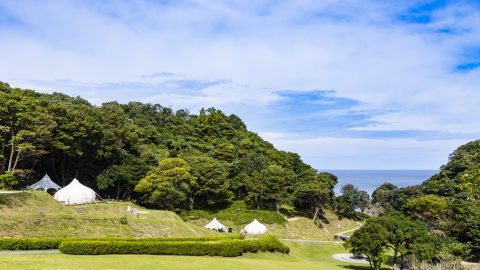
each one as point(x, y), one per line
point(369, 180)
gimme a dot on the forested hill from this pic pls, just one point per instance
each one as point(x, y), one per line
point(195, 160)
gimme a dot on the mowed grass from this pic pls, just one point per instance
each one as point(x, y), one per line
point(299, 227)
point(303, 256)
point(37, 214)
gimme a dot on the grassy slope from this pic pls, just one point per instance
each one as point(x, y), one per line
point(298, 228)
point(20, 217)
point(303, 256)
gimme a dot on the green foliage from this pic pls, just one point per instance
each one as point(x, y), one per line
point(370, 240)
point(115, 147)
point(266, 243)
point(470, 182)
point(212, 189)
point(396, 232)
point(54, 242)
point(351, 200)
point(230, 213)
point(169, 186)
point(214, 247)
point(230, 248)
point(314, 194)
point(383, 194)
point(7, 180)
point(463, 225)
point(430, 208)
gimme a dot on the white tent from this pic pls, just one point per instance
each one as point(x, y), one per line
point(45, 183)
point(255, 228)
point(75, 193)
point(215, 225)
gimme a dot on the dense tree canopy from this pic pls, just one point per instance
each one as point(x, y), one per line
point(121, 150)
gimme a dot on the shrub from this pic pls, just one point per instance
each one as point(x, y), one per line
point(264, 243)
point(7, 181)
point(53, 243)
point(29, 243)
point(226, 248)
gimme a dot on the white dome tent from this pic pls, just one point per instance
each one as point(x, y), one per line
point(75, 193)
point(45, 183)
point(255, 228)
point(215, 225)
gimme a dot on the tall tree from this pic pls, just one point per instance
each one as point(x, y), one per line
point(169, 186)
point(213, 185)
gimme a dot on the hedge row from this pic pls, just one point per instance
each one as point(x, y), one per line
point(227, 248)
point(54, 243)
point(264, 243)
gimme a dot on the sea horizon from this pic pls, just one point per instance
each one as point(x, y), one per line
point(369, 180)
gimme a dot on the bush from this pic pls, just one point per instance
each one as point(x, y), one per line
point(264, 243)
point(53, 243)
point(29, 243)
point(7, 181)
point(226, 248)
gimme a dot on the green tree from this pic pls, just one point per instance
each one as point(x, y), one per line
point(470, 182)
point(212, 187)
point(169, 186)
point(313, 193)
point(383, 194)
point(370, 240)
point(352, 199)
point(404, 236)
point(269, 188)
point(429, 208)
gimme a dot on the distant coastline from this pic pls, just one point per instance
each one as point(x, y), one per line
point(369, 180)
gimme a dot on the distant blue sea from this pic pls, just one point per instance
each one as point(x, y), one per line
point(369, 180)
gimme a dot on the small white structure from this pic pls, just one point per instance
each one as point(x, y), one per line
point(215, 225)
point(45, 183)
point(255, 228)
point(75, 193)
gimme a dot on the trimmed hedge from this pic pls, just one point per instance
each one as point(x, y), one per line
point(227, 248)
point(54, 243)
point(264, 243)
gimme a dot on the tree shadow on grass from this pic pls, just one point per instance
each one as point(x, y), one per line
point(358, 267)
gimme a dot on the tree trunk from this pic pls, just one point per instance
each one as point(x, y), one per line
point(317, 209)
point(16, 160)
point(12, 150)
point(395, 256)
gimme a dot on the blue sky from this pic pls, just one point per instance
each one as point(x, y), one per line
point(346, 84)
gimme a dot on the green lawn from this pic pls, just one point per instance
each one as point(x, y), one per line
point(303, 256)
point(37, 214)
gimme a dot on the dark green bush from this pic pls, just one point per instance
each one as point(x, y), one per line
point(226, 248)
point(264, 243)
point(53, 243)
point(29, 243)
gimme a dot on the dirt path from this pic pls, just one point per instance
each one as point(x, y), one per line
point(21, 252)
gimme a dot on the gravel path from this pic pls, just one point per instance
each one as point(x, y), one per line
point(348, 257)
point(20, 252)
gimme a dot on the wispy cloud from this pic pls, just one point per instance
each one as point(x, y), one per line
point(359, 71)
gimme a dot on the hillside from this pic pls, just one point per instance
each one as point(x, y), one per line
point(124, 150)
point(37, 214)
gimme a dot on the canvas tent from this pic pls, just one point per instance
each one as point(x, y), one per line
point(45, 183)
point(75, 193)
point(215, 225)
point(255, 228)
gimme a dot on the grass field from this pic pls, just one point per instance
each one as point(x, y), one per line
point(303, 256)
point(299, 227)
point(37, 214)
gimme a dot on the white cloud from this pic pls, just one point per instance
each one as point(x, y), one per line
point(363, 153)
point(406, 71)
